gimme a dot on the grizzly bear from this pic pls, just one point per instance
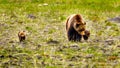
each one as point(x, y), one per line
point(21, 35)
point(76, 28)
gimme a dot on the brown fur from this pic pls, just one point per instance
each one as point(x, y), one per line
point(87, 34)
point(76, 28)
point(22, 36)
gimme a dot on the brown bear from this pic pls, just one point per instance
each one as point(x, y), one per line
point(21, 35)
point(76, 28)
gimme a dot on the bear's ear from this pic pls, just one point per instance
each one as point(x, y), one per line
point(78, 17)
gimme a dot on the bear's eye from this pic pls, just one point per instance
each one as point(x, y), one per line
point(77, 25)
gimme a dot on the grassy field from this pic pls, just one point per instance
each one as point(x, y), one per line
point(47, 46)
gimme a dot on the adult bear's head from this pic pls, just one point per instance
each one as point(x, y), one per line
point(79, 24)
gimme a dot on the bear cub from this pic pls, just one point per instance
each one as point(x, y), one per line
point(21, 35)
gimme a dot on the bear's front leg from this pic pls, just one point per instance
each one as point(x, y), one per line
point(78, 37)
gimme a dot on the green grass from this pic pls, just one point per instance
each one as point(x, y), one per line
point(46, 45)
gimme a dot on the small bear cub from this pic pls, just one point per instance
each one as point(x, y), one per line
point(22, 36)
